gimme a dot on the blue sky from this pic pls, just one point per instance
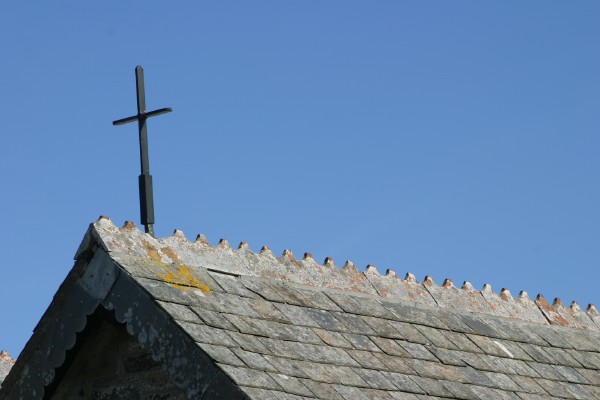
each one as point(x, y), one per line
point(456, 139)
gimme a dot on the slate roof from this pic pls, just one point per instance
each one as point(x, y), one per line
point(245, 325)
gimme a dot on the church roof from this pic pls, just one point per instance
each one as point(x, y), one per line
point(244, 325)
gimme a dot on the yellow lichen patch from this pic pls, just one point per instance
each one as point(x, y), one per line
point(183, 278)
point(170, 253)
point(151, 251)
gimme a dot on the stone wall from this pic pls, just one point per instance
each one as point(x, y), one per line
point(111, 365)
point(6, 363)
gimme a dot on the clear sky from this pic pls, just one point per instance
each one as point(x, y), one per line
point(458, 139)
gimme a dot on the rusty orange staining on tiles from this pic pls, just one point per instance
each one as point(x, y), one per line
point(183, 278)
point(151, 251)
point(129, 225)
point(170, 253)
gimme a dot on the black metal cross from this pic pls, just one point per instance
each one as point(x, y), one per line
point(145, 179)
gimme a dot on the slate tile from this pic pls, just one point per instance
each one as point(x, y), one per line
point(529, 385)
point(480, 327)
point(246, 325)
point(427, 397)
point(216, 320)
point(374, 379)
point(391, 347)
point(279, 348)
point(322, 390)
point(361, 342)
point(297, 315)
point(476, 377)
point(562, 357)
point(449, 357)
point(408, 332)
point(305, 297)
point(489, 346)
point(550, 335)
point(281, 331)
point(403, 396)
point(395, 364)
point(160, 290)
point(556, 389)
point(591, 375)
point(585, 358)
point(521, 368)
point(231, 304)
point(249, 343)
point(326, 320)
point(433, 387)
point(180, 312)
point(435, 370)
point(502, 381)
point(462, 342)
point(495, 394)
point(580, 341)
point(499, 365)
point(366, 306)
point(594, 390)
point(231, 284)
point(477, 361)
point(383, 328)
point(570, 374)
point(578, 391)
point(517, 351)
point(517, 331)
point(291, 384)
point(250, 377)
point(415, 350)
point(207, 334)
point(288, 396)
point(403, 382)
point(413, 314)
point(530, 334)
point(366, 359)
point(259, 394)
point(261, 288)
point(546, 371)
point(334, 339)
point(322, 354)
point(533, 396)
point(221, 354)
point(350, 392)
point(332, 374)
point(593, 358)
point(436, 337)
point(460, 390)
point(502, 345)
point(267, 310)
point(537, 353)
point(454, 323)
point(286, 366)
point(354, 324)
point(254, 360)
point(376, 394)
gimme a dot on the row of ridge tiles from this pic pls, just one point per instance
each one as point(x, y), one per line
point(129, 246)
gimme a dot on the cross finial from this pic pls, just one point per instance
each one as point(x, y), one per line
point(145, 179)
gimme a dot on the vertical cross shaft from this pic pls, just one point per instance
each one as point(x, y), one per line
point(145, 179)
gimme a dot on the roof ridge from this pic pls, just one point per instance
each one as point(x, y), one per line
point(128, 244)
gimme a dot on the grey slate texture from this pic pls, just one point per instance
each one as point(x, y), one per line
point(283, 328)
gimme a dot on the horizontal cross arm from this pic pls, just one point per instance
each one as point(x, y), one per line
point(158, 112)
point(144, 115)
point(126, 120)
